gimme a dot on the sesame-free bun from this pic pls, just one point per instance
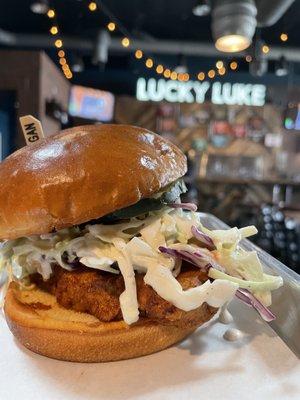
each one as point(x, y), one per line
point(43, 326)
point(81, 174)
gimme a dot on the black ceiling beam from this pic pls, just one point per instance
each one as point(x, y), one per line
point(167, 47)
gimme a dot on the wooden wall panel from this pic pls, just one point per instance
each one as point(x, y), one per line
point(35, 78)
point(19, 72)
point(131, 111)
point(53, 85)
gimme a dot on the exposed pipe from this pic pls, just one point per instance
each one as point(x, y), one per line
point(7, 38)
point(102, 47)
point(170, 47)
point(270, 11)
point(25, 40)
point(166, 47)
point(197, 49)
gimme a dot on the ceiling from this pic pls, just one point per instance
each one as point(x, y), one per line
point(147, 19)
point(163, 19)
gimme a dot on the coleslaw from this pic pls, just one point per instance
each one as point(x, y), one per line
point(155, 245)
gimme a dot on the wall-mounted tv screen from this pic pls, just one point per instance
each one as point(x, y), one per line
point(94, 104)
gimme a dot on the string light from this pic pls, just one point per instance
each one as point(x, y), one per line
point(111, 26)
point(265, 49)
point(138, 54)
point(69, 75)
point(64, 65)
point(167, 73)
point(284, 37)
point(233, 65)
point(149, 63)
point(92, 6)
point(51, 13)
point(159, 69)
point(248, 58)
point(125, 42)
point(54, 30)
point(58, 43)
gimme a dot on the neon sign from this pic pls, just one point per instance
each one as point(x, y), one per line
point(198, 92)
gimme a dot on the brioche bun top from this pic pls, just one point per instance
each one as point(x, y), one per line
point(81, 174)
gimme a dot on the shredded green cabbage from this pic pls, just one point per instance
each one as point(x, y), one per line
point(267, 284)
point(241, 264)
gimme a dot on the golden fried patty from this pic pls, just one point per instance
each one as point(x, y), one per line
point(97, 293)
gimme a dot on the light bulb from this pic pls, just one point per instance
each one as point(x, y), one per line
point(284, 37)
point(58, 43)
point(149, 63)
point(138, 54)
point(159, 69)
point(232, 43)
point(51, 13)
point(167, 73)
point(125, 42)
point(233, 65)
point(265, 49)
point(53, 30)
point(211, 73)
point(92, 6)
point(111, 26)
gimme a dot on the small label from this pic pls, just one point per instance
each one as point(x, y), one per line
point(32, 129)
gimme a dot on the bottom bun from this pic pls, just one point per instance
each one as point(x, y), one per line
point(41, 325)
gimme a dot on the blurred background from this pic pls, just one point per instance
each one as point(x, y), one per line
point(221, 79)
